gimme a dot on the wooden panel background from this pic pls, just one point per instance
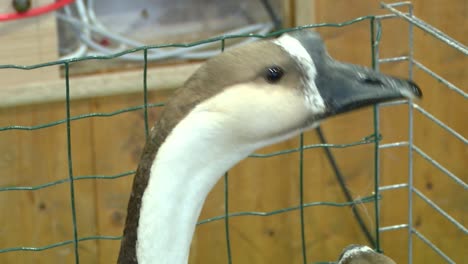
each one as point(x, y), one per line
point(108, 146)
point(37, 40)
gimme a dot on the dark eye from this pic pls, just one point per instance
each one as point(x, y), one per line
point(273, 74)
point(372, 81)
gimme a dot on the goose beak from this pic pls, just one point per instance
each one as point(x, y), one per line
point(345, 87)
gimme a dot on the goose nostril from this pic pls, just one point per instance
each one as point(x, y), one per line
point(372, 81)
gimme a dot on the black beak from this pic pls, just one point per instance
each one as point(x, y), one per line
point(345, 87)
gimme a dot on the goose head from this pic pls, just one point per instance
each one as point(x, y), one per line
point(270, 90)
point(243, 99)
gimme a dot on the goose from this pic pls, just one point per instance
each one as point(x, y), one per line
point(359, 254)
point(241, 100)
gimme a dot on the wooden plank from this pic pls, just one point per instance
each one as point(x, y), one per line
point(28, 41)
point(287, 13)
point(40, 91)
point(117, 143)
point(304, 12)
point(29, 158)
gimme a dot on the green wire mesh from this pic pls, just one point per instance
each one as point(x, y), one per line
point(375, 32)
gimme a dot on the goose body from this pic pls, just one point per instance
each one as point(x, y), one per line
point(241, 100)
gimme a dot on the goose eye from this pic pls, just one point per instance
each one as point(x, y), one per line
point(274, 74)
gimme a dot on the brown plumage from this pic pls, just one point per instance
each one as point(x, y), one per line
point(250, 111)
point(219, 75)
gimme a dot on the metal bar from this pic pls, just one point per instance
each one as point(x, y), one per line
point(440, 167)
point(393, 187)
point(375, 27)
point(78, 117)
point(393, 59)
point(386, 16)
point(57, 182)
point(410, 182)
point(441, 124)
point(301, 197)
point(226, 219)
point(433, 247)
point(70, 164)
point(441, 211)
point(58, 244)
point(393, 227)
point(410, 43)
point(429, 29)
point(398, 4)
point(394, 145)
point(440, 79)
point(410, 141)
point(367, 199)
point(145, 91)
point(393, 103)
point(226, 199)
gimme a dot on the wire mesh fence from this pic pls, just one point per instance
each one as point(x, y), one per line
point(375, 28)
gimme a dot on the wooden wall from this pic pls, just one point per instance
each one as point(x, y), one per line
point(37, 40)
point(108, 146)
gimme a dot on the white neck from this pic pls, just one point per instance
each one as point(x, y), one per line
point(188, 164)
point(197, 152)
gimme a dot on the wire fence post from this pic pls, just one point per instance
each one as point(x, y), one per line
point(70, 164)
point(145, 91)
point(410, 141)
point(226, 198)
point(375, 29)
point(301, 197)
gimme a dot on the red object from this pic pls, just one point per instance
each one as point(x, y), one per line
point(105, 42)
point(36, 11)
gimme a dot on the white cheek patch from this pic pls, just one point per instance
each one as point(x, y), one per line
point(294, 47)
